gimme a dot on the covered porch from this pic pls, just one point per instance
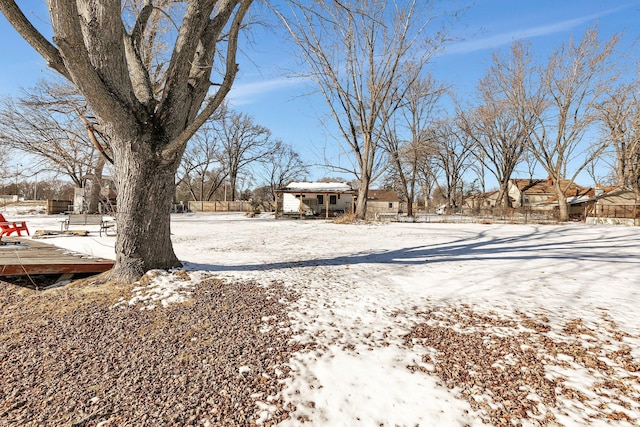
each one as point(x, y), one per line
point(314, 200)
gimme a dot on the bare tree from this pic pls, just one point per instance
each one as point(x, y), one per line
point(242, 142)
point(51, 123)
point(454, 150)
point(356, 52)
point(428, 173)
point(149, 110)
point(499, 132)
point(412, 120)
point(282, 166)
point(202, 170)
point(620, 116)
point(561, 103)
point(33, 129)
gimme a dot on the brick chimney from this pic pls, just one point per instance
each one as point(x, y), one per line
point(549, 181)
point(599, 190)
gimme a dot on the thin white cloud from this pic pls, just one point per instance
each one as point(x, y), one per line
point(502, 39)
point(247, 93)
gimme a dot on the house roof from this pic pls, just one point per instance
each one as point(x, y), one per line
point(579, 196)
point(383, 196)
point(615, 191)
point(544, 186)
point(482, 196)
point(317, 187)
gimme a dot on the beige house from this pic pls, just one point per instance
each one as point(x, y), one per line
point(614, 205)
point(482, 200)
point(536, 194)
point(540, 194)
point(383, 202)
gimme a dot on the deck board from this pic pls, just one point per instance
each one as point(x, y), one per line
point(21, 256)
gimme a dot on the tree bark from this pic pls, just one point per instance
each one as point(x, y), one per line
point(363, 195)
point(361, 204)
point(563, 206)
point(145, 194)
point(503, 195)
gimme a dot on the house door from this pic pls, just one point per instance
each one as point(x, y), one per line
point(313, 204)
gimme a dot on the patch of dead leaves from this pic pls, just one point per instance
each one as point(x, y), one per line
point(513, 369)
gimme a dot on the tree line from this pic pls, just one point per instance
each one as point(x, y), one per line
point(564, 114)
point(52, 125)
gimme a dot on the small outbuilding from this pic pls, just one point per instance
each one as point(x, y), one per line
point(314, 200)
point(382, 203)
point(614, 205)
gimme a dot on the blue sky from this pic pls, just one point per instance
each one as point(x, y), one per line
point(264, 90)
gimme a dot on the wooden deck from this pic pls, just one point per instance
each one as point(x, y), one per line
point(20, 256)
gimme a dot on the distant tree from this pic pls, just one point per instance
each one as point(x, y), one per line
point(558, 104)
point(51, 124)
point(454, 150)
point(242, 142)
point(202, 171)
point(280, 167)
point(331, 179)
point(412, 121)
point(619, 113)
point(356, 52)
point(149, 94)
point(499, 131)
point(48, 188)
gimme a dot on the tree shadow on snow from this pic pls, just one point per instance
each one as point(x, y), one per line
point(541, 243)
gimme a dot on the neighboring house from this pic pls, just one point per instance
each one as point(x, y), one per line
point(314, 199)
point(579, 202)
point(614, 204)
point(383, 202)
point(482, 200)
point(539, 193)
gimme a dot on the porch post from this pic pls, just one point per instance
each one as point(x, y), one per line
point(300, 207)
point(326, 205)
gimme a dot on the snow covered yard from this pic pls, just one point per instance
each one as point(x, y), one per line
point(432, 324)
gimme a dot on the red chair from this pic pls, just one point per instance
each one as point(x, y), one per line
point(9, 227)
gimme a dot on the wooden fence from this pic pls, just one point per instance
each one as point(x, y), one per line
point(221, 206)
point(615, 211)
point(55, 207)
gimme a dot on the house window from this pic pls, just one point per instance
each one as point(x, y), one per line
point(333, 199)
point(390, 205)
point(320, 199)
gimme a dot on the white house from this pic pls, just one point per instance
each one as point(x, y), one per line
point(314, 199)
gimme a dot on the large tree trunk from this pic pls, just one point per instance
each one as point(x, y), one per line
point(636, 191)
point(411, 197)
point(563, 207)
point(363, 195)
point(145, 194)
point(503, 195)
